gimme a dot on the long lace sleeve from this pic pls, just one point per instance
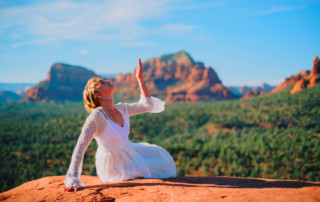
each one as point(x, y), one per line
point(92, 127)
point(145, 104)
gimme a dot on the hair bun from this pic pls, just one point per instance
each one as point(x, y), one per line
point(90, 98)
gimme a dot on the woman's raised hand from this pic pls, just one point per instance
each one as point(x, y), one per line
point(142, 85)
point(139, 72)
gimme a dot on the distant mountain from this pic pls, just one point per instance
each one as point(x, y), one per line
point(244, 89)
point(8, 96)
point(234, 90)
point(63, 82)
point(113, 76)
point(177, 78)
point(248, 91)
point(260, 90)
point(173, 77)
point(264, 87)
point(18, 88)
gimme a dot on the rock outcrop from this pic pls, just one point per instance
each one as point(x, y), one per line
point(176, 77)
point(253, 93)
point(288, 82)
point(304, 79)
point(64, 82)
point(315, 67)
point(310, 80)
point(172, 189)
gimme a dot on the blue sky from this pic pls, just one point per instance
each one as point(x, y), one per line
point(246, 42)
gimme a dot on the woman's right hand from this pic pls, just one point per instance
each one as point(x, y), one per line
point(139, 71)
point(71, 188)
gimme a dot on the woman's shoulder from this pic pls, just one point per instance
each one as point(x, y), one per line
point(122, 106)
point(96, 116)
point(95, 113)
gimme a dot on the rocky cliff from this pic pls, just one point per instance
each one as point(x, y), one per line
point(177, 78)
point(304, 79)
point(172, 189)
point(288, 82)
point(310, 80)
point(63, 82)
point(173, 77)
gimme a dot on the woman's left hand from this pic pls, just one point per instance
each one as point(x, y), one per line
point(139, 72)
point(67, 189)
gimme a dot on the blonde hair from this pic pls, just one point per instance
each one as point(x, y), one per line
point(90, 97)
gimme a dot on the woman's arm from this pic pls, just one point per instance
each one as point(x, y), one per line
point(146, 102)
point(139, 75)
point(93, 126)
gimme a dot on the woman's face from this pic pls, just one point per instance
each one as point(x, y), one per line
point(105, 87)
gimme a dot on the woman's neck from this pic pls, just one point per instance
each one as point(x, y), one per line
point(107, 104)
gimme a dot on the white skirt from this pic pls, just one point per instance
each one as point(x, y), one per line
point(134, 160)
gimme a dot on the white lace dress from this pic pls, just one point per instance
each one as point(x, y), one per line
point(117, 158)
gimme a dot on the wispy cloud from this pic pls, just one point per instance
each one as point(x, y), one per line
point(83, 52)
point(175, 29)
point(275, 10)
point(138, 43)
point(196, 5)
point(33, 42)
point(94, 20)
point(202, 38)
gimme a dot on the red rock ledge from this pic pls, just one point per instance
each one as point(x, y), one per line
point(173, 189)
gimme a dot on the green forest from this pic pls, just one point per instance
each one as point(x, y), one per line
point(271, 136)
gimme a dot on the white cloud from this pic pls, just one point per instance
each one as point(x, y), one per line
point(67, 20)
point(33, 41)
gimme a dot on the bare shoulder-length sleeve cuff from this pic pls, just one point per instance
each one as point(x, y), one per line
point(73, 180)
point(156, 105)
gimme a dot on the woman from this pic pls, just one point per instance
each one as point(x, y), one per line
point(117, 158)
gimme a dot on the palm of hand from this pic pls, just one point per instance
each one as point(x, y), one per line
point(139, 71)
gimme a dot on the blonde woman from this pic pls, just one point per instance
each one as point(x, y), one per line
point(117, 158)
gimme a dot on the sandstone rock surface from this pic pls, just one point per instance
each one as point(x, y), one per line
point(304, 79)
point(291, 81)
point(172, 189)
point(310, 80)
